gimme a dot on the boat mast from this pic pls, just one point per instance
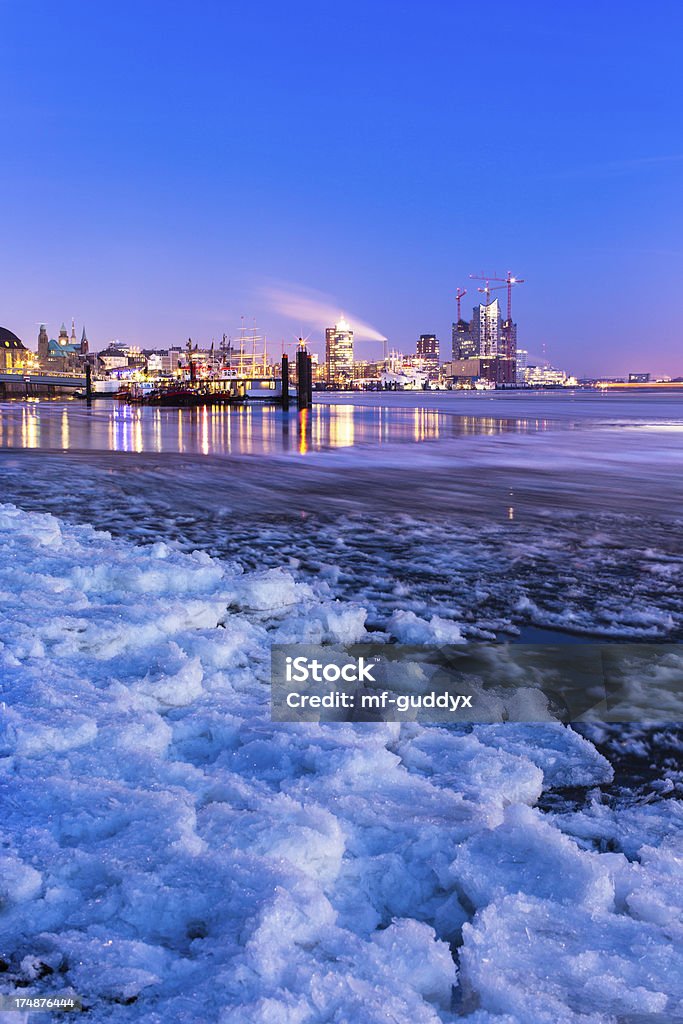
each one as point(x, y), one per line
point(242, 337)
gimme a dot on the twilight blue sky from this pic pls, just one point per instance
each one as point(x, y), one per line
point(167, 166)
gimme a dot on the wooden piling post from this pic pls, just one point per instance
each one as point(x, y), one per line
point(88, 384)
point(285, 382)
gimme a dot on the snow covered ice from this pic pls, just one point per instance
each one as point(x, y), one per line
point(170, 854)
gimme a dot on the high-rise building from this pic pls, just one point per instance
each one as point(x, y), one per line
point(521, 356)
point(490, 340)
point(508, 339)
point(486, 329)
point(427, 350)
point(339, 354)
point(464, 345)
point(427, 347)
point(507, 355)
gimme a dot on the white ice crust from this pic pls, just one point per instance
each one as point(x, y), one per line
point(173, 855)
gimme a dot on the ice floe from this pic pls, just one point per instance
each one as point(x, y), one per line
point(170, 854)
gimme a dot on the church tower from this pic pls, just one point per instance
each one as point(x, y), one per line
point(73, 332)
point(84, 343)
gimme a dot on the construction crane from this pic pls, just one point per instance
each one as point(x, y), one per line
point(487, 291)
point(508, 282)
point(459, 295)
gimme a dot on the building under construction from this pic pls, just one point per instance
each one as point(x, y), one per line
point(486, 346)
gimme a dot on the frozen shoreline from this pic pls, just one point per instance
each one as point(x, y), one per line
point(180, 858)
point(170, 849)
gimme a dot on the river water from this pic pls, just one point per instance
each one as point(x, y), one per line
point(336, 421)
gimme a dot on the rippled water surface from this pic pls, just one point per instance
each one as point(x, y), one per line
point(336, 421)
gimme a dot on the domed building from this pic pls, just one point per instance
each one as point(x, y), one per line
point(13, 352)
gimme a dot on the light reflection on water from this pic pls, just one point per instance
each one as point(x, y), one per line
point(216, 430)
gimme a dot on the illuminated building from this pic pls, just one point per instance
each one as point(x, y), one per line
point(547, 376)
point(464, 345)
point(63, 352)
point(427, 350)
point(367, 370)
point(507, 369)
point(339, 354)
point(486, 329)
point(487, 344)
point(13, 352)
point(117, 355)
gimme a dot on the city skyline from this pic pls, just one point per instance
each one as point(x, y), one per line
point(317, 341)
point(155, 191)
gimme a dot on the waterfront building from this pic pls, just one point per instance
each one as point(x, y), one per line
point(639, 378)
point(547, 376)
point(339, 354)
point(463, 345)
point(490, 340)
point(507, 355)
point(155, 363)
point(367, 371)
point(486, 329)
point(13, 352)
point(476, 368)
point(172, 359)
point(318, 369)
point(178, 358)
point(118, 354)
point(427, 351)
point(63, 352)
point(521, 363)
